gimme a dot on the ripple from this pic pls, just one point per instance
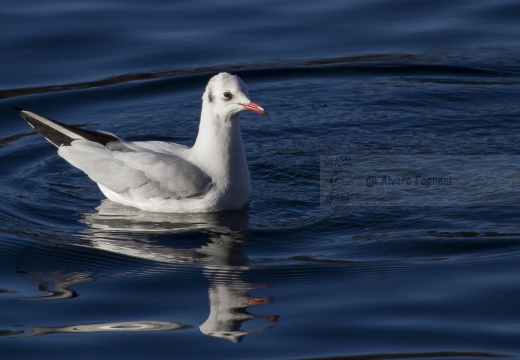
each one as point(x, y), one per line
point(127, 326)
point(357, 64)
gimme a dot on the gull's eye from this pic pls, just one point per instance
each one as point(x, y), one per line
point(227, 95)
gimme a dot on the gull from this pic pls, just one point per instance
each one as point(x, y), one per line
point(159, 176)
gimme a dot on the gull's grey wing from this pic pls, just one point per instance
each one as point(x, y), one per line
point(137, 174)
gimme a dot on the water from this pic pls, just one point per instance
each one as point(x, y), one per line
point(291, 277)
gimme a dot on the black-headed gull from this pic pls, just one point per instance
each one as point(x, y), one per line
point(165, 177)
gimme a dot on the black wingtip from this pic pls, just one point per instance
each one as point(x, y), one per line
point(59, 133)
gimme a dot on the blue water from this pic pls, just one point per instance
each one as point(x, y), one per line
point(293, 276)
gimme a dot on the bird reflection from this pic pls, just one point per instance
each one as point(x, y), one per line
point(228, 294)
point(228, 310)
point(127, 231)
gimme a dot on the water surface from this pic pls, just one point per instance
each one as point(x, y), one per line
point(290, 277)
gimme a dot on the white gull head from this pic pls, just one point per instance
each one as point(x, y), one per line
point(226, 96)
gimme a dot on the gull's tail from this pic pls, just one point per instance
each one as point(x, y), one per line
point(60, 134)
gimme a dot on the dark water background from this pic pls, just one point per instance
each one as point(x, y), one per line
point(291, 277)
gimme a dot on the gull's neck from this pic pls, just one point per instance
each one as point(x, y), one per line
point(220, 152)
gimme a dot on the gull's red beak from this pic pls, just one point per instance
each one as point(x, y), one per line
point(252, 106)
